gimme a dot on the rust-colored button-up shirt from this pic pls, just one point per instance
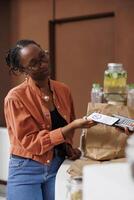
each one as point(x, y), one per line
point(29, 122)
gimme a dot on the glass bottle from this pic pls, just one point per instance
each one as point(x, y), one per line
point(96, 93)
point(75, 188)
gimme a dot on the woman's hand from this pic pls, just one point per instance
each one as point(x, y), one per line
point(83, 123)
point(125, 130)
point(72, 153)
point(77, 123)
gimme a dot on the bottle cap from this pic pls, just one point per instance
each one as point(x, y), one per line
point(96, 85)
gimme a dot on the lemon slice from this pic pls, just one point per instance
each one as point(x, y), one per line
point(115, 75)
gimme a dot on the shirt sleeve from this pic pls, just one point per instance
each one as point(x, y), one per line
point(22, 126)
point(70, 136)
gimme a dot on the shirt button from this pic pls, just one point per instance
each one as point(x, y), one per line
point(65, 116)
point(58, 107)
point(48, 161)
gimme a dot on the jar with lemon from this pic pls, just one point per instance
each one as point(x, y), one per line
point(115, 80)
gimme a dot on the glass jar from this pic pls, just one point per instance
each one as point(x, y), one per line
point(115, 78)
point(74, 188)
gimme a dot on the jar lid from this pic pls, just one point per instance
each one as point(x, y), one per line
point(115, 66)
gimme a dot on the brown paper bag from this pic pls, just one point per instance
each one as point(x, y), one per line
point(103, 142)
point(76, 167)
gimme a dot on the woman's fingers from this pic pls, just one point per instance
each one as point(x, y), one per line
point(127, 131)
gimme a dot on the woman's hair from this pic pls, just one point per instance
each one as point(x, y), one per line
point(13, 55)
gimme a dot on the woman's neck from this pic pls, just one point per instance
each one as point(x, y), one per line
point(43, 84)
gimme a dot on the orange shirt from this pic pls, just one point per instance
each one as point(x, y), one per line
point(29, 121)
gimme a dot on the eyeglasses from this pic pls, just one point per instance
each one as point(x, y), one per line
point(36, 63)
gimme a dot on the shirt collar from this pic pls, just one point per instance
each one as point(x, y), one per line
point(34, 87)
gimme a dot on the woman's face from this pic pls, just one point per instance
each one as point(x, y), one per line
point(34, 62)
